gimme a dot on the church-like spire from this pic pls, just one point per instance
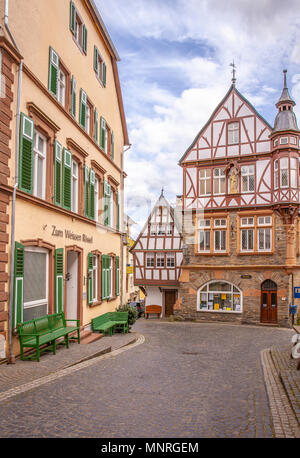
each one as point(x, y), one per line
point(285, 118)
point(233, 80)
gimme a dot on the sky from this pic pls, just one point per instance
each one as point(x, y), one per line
point(175, 69)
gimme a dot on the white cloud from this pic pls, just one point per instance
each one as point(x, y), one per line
point(170, 89)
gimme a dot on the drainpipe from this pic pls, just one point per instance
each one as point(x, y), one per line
point(11, 357)
point(122, 226)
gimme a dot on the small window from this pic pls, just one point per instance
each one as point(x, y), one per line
point(61, 87)
point(284, 140)
point(264, 221)
point(276, 142)
point(247, 221)
point(149, 259)
point(160, 260)
point(220, 222)
point(204, 223)
point(293, 140)
point(233, 133)
point(204, 182)
point(74, 187)
point(170, 260)
point(39, 165)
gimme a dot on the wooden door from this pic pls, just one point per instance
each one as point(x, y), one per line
point(170, 299)
point(269, 306)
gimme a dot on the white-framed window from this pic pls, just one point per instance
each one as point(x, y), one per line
point(220, 236)
point(169, 229)
point(161, 229)
point(284, 172)
point(276, 142)
point(74, 187)
point(111, 276)
point(61, 87)
point(204, 182)
point(39, 165)
point(149, 259)
point(219, 181)
point(220, 296)
point(170, 258)
point(36, 282)
point(248, 178)
point(293, 140)
point(96, 199)
point(264, 242)
point(111, 208)
point(247, 239)
point(160, 260)
point(276, 174)
point(204, 235)
point(95, 278)
point(233, 133)
point(249, 221)
point(284, 140)
point(88, 118)
point(153, 229)
point(264, 221)
point(293, 166)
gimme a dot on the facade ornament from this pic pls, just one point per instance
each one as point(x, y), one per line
point(233, 180)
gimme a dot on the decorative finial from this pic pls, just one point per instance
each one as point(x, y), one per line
point(284, 79)
point(162, 192)
point(233, 72)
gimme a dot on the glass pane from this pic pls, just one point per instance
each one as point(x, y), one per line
point(273, 299)
point(40, 177)
point(219, 286)
point(31, 313)
point(34, 276)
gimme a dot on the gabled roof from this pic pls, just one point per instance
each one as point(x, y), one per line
point(162, 201)
point(231, 89)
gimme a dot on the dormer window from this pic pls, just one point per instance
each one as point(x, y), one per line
point(233, 133)
point(284, 141)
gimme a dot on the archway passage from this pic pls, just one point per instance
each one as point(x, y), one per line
point(268, 302)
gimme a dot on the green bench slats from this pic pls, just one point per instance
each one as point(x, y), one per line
point(45, 330)
point(110, 321)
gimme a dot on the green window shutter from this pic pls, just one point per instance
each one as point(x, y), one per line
point(103, 133)
point(92, 195)
point(96, 125)
point(53, 72)
point(118, 211)
point(104, 277)
point(72, 17)
point(117, 275)
point(104, 74)
point(82, 109)
point(84, 39)
point(73, 97)
point(57, 172)
point(86, 191)
point(107, 197)
point(96, 59)
point(112, 146)
point(67, 168)
point(18, 294)
point(26, 153)
point(90, 278)
point(59, 280)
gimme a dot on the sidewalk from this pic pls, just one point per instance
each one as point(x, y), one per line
point(14, 375)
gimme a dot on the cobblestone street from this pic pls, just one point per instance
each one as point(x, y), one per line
point(186, 380)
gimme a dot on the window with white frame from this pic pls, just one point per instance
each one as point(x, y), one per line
point(293, 171)
point(170, 258)
point(284, 172)
point(149, 259)
point(247, 178)
point(111, 208)
point(233, 133)
point(283, 140)
point(61, 87)
point(161, 230)
point(95, 279)
point(204, 235)
point(247, 234)
point(111, 276)
point(276, 174)
point(39, 165)
point(219, 181)
point(88, 118)
point(96, 199)
point(264, 239)
point(153, 229)
point(160, 260)
point(204, 182)
point(220, 296)
point(220, 234)
point(36, 282)
point(74, 187)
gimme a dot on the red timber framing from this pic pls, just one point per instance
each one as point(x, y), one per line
point(157, 252)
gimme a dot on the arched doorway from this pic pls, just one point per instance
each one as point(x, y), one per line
point(268, 302)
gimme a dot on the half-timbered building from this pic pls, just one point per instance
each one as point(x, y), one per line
point(240, 208)
point(157, 254)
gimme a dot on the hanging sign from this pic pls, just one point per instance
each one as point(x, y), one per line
point(297, 291)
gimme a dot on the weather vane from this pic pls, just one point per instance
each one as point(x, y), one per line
point(233, 72)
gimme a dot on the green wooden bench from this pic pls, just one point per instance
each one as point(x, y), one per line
point(45, 330)
point(111, 321)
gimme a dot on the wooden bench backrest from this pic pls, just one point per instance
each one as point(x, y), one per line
point(101, 319)
point(119, 316)
point(153, 309)
point(42, 324)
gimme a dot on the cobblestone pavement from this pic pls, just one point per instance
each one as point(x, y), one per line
point(186, 380)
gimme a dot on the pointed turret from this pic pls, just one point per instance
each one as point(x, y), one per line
point(285, 118)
